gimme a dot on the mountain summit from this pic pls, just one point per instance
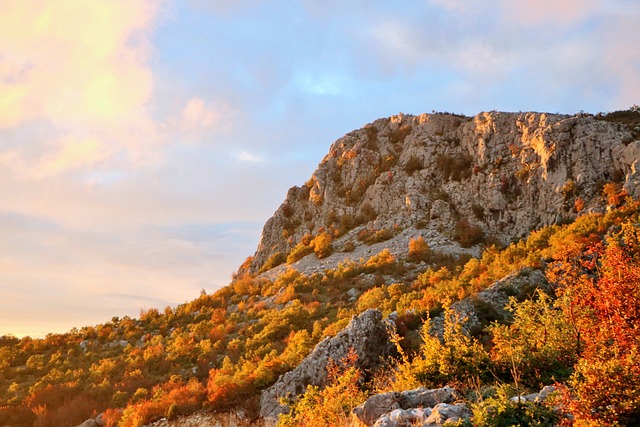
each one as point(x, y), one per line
point(456, 181)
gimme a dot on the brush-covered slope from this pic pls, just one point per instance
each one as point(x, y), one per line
point(409, 200)
point(457, 181)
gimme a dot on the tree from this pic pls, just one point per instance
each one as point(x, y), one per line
point(602, 294)
point(538, 346)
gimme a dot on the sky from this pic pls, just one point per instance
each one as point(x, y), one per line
point(144, 143)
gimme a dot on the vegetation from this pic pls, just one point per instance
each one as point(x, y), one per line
point(220, 350)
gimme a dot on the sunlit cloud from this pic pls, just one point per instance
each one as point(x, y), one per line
point(72, 154)
point(246, 156)
point(74, 61)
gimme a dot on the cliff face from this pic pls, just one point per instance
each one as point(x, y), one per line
point(442, 176)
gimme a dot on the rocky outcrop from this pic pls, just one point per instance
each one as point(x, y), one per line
point(425, 408)
point(425, 417)
point(396, 402)
point(536, 397)
point(504, 174)
point(366, 334)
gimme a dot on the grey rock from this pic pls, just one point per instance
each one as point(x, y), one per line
point(422, 397)
point(386, 404)
point(376, 406)
point(366, 334)
point(404, 418)
point(444, 412)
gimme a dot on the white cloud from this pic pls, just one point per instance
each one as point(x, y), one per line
point(74, 61)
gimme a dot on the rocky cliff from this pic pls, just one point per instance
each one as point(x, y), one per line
point(454, 180)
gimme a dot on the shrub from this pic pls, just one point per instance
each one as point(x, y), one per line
point(613, 194)
point(367, 213)
point(372, 235)
point(456, 360)
point(538, 347)
point(468, 234)
point(332, 405)
point(454, 168)
point(322, 245)
point(298, 252)
point(419, 250)
point(273, 261)
point(478, 211)
point(500, 411)
point(413, 164)
point(400, 134)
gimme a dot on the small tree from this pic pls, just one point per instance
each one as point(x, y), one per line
point(322, 245)
point(419, 250)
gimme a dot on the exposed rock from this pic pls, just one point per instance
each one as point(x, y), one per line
point(389, 403)
point(505, 173)
point(376, 406)
point(444, 412)
point(227, 419)
point(404, 418)
point(89, 423)
point(535, 397)
point(366, 334)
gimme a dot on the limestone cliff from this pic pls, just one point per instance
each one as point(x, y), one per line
point(449, 177)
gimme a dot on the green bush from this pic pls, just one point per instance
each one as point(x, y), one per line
point(500, 411)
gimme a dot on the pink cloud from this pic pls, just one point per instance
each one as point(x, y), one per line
point(72, 60)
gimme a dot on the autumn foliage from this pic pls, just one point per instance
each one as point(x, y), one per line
point(219, 351)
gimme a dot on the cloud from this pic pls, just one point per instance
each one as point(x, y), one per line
point(81, 70)
point(74, 61)
point(536, 13)
point(246, 156)
point(54, 277)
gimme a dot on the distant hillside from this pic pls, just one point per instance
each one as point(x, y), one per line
point(478, 258)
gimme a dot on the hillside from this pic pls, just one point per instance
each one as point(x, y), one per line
point(493, 255)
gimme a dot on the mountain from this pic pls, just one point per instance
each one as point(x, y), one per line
point(457, 181)
point(432, 267)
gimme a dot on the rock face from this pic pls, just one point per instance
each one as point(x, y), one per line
point(367, 334)
point(503, 173)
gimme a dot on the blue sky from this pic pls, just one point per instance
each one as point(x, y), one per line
point(144, 143)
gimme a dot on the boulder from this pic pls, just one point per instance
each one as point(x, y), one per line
point(404, 418)
point(366, 334)
point(376, 406)
point(385, 404)
point(445, 412)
